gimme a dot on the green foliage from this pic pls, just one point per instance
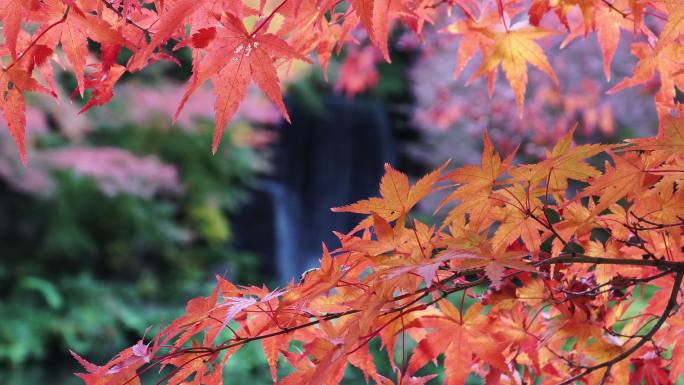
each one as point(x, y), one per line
point(87, 271)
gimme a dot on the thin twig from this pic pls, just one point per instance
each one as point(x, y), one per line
point(671, 303)
point(35, 41)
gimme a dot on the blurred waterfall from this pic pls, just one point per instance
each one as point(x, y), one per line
point(330, 156)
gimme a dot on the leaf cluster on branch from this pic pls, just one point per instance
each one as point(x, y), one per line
point(560, 270)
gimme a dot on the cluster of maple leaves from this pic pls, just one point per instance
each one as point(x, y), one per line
point(236, 42)
point(560, 246)
point(562, 314)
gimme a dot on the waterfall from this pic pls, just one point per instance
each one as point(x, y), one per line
point(328, 157)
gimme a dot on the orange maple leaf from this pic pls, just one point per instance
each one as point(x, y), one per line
point(398, 197)
point(670, 138)
point(477, 183)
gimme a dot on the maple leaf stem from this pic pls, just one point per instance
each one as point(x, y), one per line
point(404, 362)
point(267, 19)
point(179, 368)
point(611, 6)
point(627, 16)
point(606, 375)
point(500, 8)
point(129, 21)
point(534, 317)
point(415, 233)
point(671, 303)
point(413, 304)
point(548, 225)
point(41, 34)
point(422, 293)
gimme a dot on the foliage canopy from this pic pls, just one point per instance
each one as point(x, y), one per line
point(545, 258)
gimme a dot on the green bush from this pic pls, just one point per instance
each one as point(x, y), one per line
point(87, 271)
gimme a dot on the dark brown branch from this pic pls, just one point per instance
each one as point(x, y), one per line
point(611, 6)
point(418, 295)
point(581, 258)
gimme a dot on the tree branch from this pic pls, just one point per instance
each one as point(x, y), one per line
point(671, 303)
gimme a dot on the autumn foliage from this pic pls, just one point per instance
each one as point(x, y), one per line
point(546, 259)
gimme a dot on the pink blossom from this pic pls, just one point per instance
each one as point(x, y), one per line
point(115, 170)
point(145, 103)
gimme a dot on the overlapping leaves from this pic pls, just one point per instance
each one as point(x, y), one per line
point(528, 284)
point(236, 42)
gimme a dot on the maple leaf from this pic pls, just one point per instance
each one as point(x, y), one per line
point(120, 370)
point(562, 8)
point(611, 249)
point(626, 178)
point(13, 82)
point(250, 58)
point(670, 138)
point(674, 27)
point(398, 198)
point(649, 368)
point(374, 17)
point(532, 292)
point(103, 83)
point(666, 61)
point(513, 49)
point(472, 40)
point(516, 222)
point(483, 256)
point(387, 238)
point(459, 338)
point(170, 21)
point(477, 184)
point(188, 364)
point(607, 22)
point(407, 380)
point(11, 14)
point(608, 25)
point(426, 269)
point(329, 36)
point(563, 162)
point(677, 360)
point(13, 109)
point(203, 37)
point(73, 29)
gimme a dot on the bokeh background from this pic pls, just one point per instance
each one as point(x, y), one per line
point(121, 216)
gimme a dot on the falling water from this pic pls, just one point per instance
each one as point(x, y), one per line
point(328, 157)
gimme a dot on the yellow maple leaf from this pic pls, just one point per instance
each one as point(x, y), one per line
point(564, 162)
point(513, 49)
